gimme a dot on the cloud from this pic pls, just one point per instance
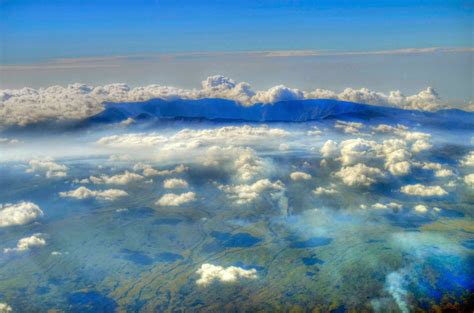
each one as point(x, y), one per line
point(132, 140)
point(19, 214)
point(27, 243)
point(423, 191)
point(469, 180)
point(150, 171)
point(121, 179)
point(5, 308)
point(468, 160)
point(244, 194)
point(175, 183)
point(325, 191)
point(329, 149)
point(391, 205)
point(77, 101)
point(358, 150)
point(171, 199)
point(359, 175)
point(209, 273)
point(349, 127)
point(85, 193)
point(48, 167)
point(300, 176)
point(396, 286)
point(278, 93)
point(420, 208)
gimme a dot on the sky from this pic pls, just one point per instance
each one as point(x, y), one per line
point(140, 32)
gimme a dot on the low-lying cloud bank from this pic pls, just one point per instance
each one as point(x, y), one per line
point(26, 106)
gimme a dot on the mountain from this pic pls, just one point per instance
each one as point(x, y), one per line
point(285, 111)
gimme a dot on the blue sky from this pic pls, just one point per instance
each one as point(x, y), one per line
point(34, 31)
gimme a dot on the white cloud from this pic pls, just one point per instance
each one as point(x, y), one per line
point(391, 205)
point(278, 93)
point(359, 175)
point(27, 243)
point(150, 171)
point(358, 150)
point(85, 193)
point(175, 183)
point(243, 194)
point(132, 140)
point(349, 127)
point(209, 273)
point(468, 160)
point(48, 167)
point(121, 179)
point(171, 199)
point(469, 180)
point(329, 149)
point(300, 176)
point(420, 208)
point(5, 308)
point(423, 191)
point(19, 214)
point(325, 191)
point(444, 173)
point(420, 145)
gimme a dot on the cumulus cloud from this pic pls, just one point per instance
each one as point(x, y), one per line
point(390, 205)
point(27, 243)
point(468, 160)
point(19, 214)
point(243, 194)
point(77, 101)
point(5, 308)
point(278, 93)
point(300, 176)
point(359, 175)
point(209, 273)
point(47, 167)
point(325, 191)
point(329, 149)
point(469, 180)
point(175, 183)
point(149, 171)
point(85, 193)
point(423, 191)
point(120, 179)
point(420, 208)
point(171, 199)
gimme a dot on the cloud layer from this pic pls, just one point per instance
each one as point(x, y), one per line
point(25, 106)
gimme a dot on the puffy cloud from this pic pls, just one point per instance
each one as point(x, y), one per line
point(391, 205)
point(77, 101)
point(300, 176)
point(243, 194)
point(19, 214)
point(420, 208)
point(325, 191)
point(85, 193)
point(329, 149)
point(278, 93)
point(48, 167)
point(175, 183)
point(27, 243)
point(469, 180)
point(349, 127)
point(171, 199)
point(121, 179)
point(358, 150)
point(468, 160)
point(444, 173)
point(150, 171)
point(5, 308)
point(420, 145)
point(209, 273)
point(423, 191)
point(359, 175)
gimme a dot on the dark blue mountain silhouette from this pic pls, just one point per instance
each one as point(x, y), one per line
point(285, 111)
